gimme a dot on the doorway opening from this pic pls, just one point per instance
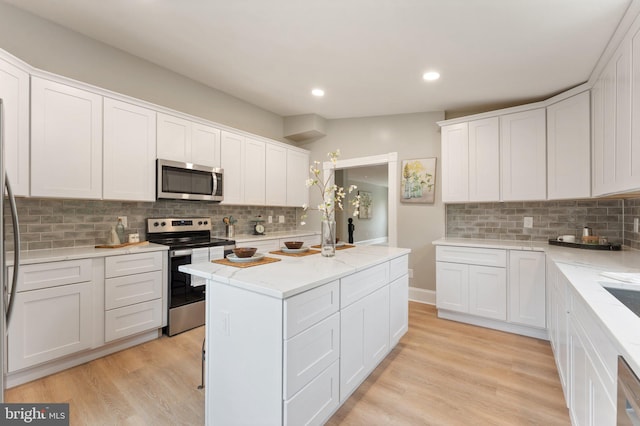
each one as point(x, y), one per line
point(365, 164)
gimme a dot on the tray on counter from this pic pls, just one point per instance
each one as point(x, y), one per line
point(608, 246)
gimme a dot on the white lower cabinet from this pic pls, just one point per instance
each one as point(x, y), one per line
point(134, 289)
point(326, 348)
point(398, 309)
point(315, 403)
point(364, 339)
point(472, 281)
point(527, 288)
point(52, 314)
point(502, 289)
point(586, 358)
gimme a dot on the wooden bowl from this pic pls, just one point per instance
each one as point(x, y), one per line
point(293, 244)
point(591, 239)
point(245, 251)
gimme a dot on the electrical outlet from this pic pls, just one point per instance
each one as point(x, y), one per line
point(635, 224)
point(269, 219)
point(528, 222)
point(124, 221)
point(281, 219)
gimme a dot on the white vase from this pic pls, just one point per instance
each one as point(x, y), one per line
point(328, 242)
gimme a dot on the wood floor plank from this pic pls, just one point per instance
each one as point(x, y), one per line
point(441, 373)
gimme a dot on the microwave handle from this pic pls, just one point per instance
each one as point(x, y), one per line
point(214, 178)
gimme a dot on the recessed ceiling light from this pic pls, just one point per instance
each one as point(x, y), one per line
point(317, 92)
point(431, 75)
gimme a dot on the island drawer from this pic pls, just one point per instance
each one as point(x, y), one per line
point(309, 353)
point(472, 256)
point(356, 286)
point(128, 264)
point(52, 274)
point(306, 309)
point(398, 267)
point(316, 401)
point(131, 289)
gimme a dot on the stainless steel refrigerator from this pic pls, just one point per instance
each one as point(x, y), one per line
point(7, 284)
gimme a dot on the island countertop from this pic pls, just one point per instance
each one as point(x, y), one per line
point(293, 275)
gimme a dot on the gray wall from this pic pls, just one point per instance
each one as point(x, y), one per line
point(50, 47)
point(411, 136)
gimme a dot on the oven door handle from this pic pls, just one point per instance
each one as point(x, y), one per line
point(180, 253)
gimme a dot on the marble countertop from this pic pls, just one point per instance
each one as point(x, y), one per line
point(56, 255)
point(293, 275)
point(583, 269)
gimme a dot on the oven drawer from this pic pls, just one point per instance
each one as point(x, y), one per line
point(128, 264)
point(129, 320)
point(132, 289)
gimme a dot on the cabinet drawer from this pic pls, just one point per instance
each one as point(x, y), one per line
point(131, 289)
point(127, 264)
point(310, 307)
point(355, 287)
point(128, 320)
point(472, 256)
point(316, 401)
point(52, 274)
point(309, 353)
point(398, 267)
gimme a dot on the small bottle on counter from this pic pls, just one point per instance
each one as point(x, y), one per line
point(120, 231)
point(113, 237)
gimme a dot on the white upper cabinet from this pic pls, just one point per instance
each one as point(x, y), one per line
point(205, 145)
point(254, 172)
point(568, 148)
point(187, 141)
point(14, 92)
point(276, 175)
point(455, 163)
point(129, 152)
point(232, 160)
point(484, 159)
point(297, 175)
point(523, 155)
point(66, 141)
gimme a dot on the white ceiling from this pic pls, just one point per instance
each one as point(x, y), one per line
point(368, 55)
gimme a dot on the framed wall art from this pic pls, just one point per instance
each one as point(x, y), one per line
point(418, 181)
point(366, 205)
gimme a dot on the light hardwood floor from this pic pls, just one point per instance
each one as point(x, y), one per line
point(441, 373)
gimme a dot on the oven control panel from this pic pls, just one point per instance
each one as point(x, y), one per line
point(178, 224)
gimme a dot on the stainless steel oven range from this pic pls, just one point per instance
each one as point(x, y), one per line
point(189, 241)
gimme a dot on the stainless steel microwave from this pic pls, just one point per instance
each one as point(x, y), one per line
point(186, 181)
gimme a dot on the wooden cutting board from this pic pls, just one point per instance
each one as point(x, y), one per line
point(141, 243)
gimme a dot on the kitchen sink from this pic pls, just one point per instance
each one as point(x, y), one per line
point(629, 298)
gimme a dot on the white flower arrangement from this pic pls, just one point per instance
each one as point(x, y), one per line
point(333, 195)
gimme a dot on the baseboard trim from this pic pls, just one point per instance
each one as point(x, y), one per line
point(538, 333)
point(422, 296)
point(381, 240)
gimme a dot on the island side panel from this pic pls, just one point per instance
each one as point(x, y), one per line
point(244, 357)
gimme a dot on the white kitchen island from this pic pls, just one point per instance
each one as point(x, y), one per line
point(288, 342)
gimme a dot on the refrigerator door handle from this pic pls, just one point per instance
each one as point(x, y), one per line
point(16, 251)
